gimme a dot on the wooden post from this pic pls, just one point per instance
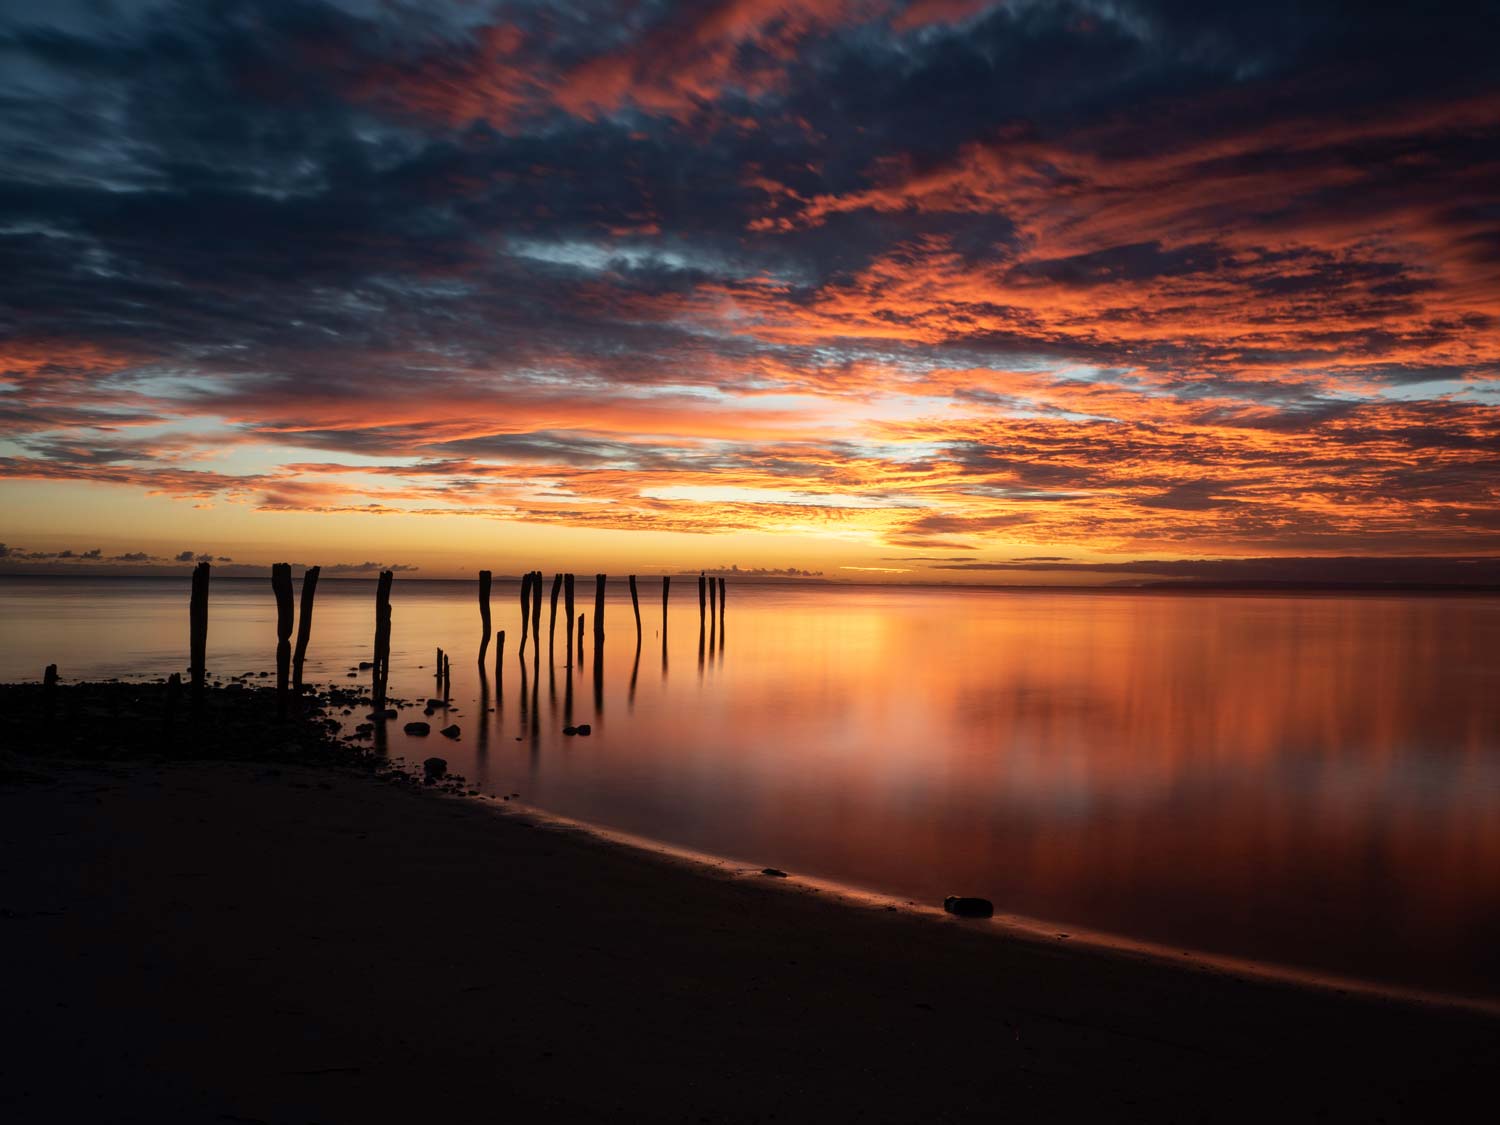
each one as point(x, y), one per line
point(568, 623)
point(525, 611)
point(198, 630)
point(382, 656)
point(281, 586)
point(713, 600)
point(702, 600)
point(666, 590)
point(437, 674)
point(580, 640)
point(721, 605)
point(499, 652)
point(304, 623)
point(484, 615)
point(447, 678)
point(552, 616)
point(635, 606)
point(536, 619)
point(598, 611)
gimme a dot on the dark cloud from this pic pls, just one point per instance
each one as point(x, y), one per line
point(537, 261)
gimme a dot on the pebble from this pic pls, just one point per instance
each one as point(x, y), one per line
point(967, 907)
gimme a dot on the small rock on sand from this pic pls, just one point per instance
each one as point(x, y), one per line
point(966, 907)
point(570, 730)
point(774, 871)
point(451, 731)
point(417, 728)
point(434, 768)
point(584, 728)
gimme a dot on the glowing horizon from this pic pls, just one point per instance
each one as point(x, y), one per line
point(886, 290)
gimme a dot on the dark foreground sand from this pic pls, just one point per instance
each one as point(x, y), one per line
point(231, 942)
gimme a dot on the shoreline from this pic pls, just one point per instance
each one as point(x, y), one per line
point(1006, 926)
point(285, 942)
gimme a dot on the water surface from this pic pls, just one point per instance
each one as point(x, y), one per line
point(1308, 779)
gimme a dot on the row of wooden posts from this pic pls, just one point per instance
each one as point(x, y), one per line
point(289, 663)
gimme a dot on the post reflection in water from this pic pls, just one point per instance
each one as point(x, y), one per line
point(1313, 780)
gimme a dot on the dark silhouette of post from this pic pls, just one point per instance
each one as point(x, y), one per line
point(447, 678)
point(526, 580)
point(580, 640)
point(499, 652)
point(552, 615)
point(568, 623)
point(49, 688)
point(281, 586)
point(382, 656)
point(536, 620)
point(304, 623)
point(721, 607)
point(437, 673)
point(198, 631)
point(713, 601)
point(635, 606)
point(484, 615)
point(598, 611)
point(702, 602)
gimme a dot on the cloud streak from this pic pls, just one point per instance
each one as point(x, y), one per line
point(1006, 280)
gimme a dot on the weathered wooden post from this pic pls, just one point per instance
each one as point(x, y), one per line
point(702, 601)
point(484, 615)
point(536, 619)
point(382, 655)
point(49, 689)
point(598, 611)
point(304, 623)
point(526, 580)
point(552, 616)
point(721, 606)
point(713, 600)
point(447, 678)
point(635, 607)
point(499, 652)
point(281, 586)
point(580, 640)
point(437, 673)
point(568, 623)
point(198, 630)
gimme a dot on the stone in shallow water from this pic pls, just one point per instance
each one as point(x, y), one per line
point(584, 728)
point(966, 907)
point(417, 728)
point(451, 731)
point(434, 768)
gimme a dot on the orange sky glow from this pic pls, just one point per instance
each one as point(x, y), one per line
point(932, 291)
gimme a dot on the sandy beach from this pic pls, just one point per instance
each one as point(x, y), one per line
point(204, 941)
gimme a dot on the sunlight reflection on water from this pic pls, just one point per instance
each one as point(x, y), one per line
point(1308, 779)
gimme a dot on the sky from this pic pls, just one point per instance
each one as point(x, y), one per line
point(870, 289)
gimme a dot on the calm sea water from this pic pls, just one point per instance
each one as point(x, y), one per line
point(1312, 780)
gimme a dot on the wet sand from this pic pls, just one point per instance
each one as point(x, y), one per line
point(239, 942)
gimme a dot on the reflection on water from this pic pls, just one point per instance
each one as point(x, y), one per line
point(1309, 779)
